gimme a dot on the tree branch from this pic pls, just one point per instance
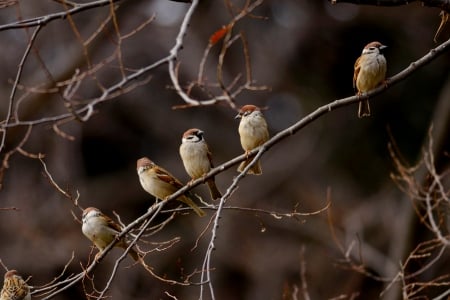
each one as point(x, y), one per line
point(44, 20)
point(442, 4)
point(414, 66)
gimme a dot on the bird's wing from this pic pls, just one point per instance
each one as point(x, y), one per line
point(357, 69)
point(167, 177)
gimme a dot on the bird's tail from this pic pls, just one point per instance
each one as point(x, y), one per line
point(364, 109)
point(254, 170)
point(188, 200)
point(213, 190)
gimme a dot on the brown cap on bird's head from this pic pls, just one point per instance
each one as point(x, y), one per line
point(11, 273)
point(373, 45)
point(246, 109)
point(144, 162)
point(192, 131)
point(87, 210)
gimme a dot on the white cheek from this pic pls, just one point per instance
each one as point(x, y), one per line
point(90, 225)
point(87, 228)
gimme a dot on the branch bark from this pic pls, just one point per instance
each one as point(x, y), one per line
point(442, 4)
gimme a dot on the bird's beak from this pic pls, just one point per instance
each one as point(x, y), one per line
point(238, 116)
point(383, 47)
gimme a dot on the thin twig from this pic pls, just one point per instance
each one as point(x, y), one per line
point(442, 4)
point(44, 20)
point(16, 82)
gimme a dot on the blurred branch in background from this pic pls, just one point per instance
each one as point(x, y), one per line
point(442, 4)
point(429, 193)
point(95, 84)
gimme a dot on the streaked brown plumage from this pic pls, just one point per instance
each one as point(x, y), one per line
point(197, 158)
point(102, 230)
point(370, 71)
point(161, 184)
point(14, 287)
point(253, 133)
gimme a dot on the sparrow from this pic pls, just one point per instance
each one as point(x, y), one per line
point(14, 287)
point(253, 133)
point(197, 158)
point(161, 184)
point(370, 71)
point(102, 230)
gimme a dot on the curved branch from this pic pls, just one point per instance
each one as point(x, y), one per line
point(375, 2)
point(44, 20)
point(442, 4)
point(16, 82)
point(414, 66)
point(176, 49)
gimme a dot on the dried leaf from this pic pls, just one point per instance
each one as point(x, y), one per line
point(219, 34)
point(444, 20)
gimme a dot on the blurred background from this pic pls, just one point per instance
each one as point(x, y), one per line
point(304, 52)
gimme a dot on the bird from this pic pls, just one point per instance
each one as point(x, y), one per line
point(370, 71)
point(197, 158)
point(253, 133)
point(14, 287)
point(102, 230)
point(161, 184)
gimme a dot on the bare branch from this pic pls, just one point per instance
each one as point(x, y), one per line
point(303, 122)
point(44, 20)
point(16, 81)
point(442, 4)
point(304, 288)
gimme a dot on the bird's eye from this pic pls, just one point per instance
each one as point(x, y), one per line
point(372, 48)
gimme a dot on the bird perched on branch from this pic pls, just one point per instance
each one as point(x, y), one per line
point(370, 71)
point(102, 230)
point(197, 158)
point(253, 133)
point(14, 287)
point(161, 184)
